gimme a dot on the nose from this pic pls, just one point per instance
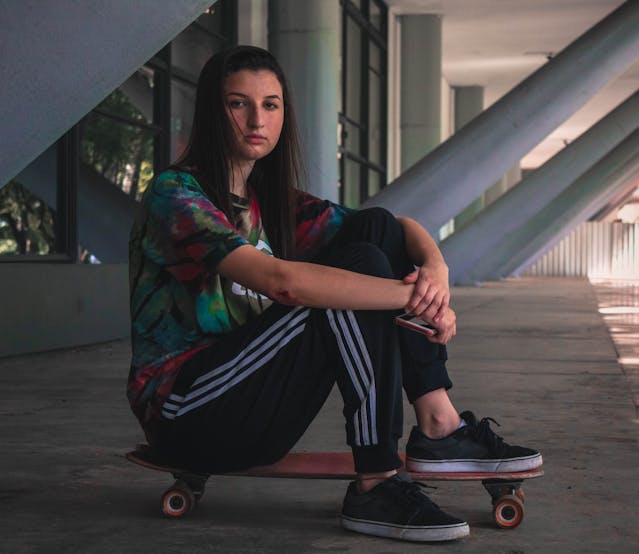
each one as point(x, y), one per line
point(256, 119)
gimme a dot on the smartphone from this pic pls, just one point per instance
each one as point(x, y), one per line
point(415, 324)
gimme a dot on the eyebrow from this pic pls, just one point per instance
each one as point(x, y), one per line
point(246, 95)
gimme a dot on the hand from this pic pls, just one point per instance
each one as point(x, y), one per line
point(431, 293)
point(446, 327)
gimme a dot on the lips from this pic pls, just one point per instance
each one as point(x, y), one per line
point(255, 139)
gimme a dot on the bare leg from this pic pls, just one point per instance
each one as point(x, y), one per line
point(436, 415)
point(366, 481)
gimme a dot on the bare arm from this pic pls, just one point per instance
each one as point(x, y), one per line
point(431, 295)
point(307, 284)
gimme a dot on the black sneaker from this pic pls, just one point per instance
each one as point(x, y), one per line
point(474, 447)
point(397, 508)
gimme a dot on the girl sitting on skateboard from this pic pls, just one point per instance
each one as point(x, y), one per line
point(251, 298)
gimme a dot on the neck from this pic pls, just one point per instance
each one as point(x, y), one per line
point(239, 174)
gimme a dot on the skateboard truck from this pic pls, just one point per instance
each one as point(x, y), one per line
point(179, 499)
point(508, 501)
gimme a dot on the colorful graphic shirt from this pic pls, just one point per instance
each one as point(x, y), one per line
point(179, 304)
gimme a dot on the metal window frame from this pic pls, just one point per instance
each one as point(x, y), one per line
point(369, 33)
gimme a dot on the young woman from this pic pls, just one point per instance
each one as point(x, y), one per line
point(250, 299)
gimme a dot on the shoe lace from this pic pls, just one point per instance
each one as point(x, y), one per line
point(484, 434)
point(415, 491)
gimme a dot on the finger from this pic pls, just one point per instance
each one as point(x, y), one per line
point(441, 312)
point(420, 299)
point(430, 306)
point(439, 338)
point(410, 278)
point(427, 316)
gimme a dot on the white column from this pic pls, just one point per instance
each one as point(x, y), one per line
point(252, 17)
point(304, 36)
point(420, 94)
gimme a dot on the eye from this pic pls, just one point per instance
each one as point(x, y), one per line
point(271, 105)
point(234, 104)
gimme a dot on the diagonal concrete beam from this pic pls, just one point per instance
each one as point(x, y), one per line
point(617, 202)
point(60, 59)
point(475, 242)
point(440, 185)
point(611, 176)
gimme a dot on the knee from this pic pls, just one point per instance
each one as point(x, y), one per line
point(375, 218)
point(367, 258)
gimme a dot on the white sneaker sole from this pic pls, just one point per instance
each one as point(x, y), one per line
point(407, 532)
point(461, 466)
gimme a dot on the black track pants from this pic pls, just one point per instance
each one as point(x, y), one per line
point(248, 398)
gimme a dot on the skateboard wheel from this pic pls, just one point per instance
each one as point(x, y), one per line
point(508, 511)
point(177, 502)
point(519, 493)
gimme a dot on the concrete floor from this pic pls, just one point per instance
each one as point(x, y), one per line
point(533, 353)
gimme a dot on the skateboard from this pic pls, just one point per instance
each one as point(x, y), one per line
point(179, 499)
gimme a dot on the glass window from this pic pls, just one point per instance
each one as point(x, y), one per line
point(117, 138)
point(363, 115)
point(27, 221)
point(351, 184)
point(375, 58)
point(219, 20)
point(117, 152)
point(134, 99)
point(376, 15)
point(376, 181)
point(33, 209)
point(182, 108)
point(375, 126)
point(352, 138)
point(192, 48)
point(353, 85)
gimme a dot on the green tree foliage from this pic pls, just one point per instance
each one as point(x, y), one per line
point(26, 222)
point(121, 153)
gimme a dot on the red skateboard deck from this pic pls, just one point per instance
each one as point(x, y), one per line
point(504, 488)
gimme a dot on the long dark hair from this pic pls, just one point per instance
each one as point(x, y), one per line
point(208, 153)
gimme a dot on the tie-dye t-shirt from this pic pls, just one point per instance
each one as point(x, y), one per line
point(179, 304)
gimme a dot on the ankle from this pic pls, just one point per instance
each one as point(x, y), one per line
point(368, 481)
point(436, 427)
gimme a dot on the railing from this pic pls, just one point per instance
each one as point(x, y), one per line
point(595, 249)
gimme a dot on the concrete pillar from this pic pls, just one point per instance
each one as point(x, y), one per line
point(440, 185)
point(469, 103)
point(421, 88)
point(60, 59)
point(304, 36)
point(465, 249)
point(252, 17)
point(615, 174)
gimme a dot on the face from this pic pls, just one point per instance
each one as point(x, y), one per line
point(255, 108)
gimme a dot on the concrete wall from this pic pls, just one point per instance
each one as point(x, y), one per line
point(48, 306)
